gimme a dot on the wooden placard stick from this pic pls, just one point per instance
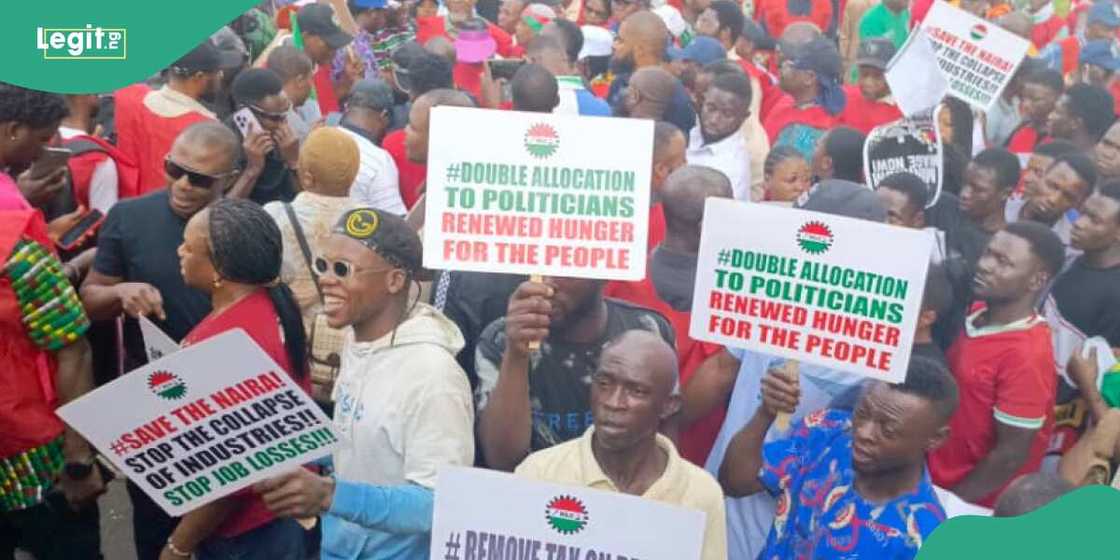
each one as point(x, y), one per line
point(535, 345)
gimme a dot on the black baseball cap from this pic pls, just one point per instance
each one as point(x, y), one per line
point(843, 198)
point(319, 19)
point(876, 53)
point(206, 57)
point(389, 236)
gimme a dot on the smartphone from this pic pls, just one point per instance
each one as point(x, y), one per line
point(90, 221)
point(246, 122)
point(505, 69)
point(52, 159)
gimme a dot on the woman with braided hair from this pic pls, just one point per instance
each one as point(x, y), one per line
point(233, 251)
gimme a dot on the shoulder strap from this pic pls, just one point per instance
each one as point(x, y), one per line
point(81, 145)
point(303, 247)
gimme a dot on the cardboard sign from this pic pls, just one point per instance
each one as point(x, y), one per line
point(977, 57)
point(156, 342)
point(828, 290)
point(913, 86)
point(531, 193)
point(203, 422)
point(909, 145)
point(487, 514)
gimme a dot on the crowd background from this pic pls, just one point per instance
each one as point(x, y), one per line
point(229, 185)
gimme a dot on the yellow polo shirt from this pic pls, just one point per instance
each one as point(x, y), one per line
point(682, 483)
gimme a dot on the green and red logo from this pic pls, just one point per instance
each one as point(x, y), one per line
point(541, 140)
point(566, 515)
point(167, 385)
point(978, 32)
point(814, 238)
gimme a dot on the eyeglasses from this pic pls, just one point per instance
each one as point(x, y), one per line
point(196, 178)
point(270, 116)
point(342, 269)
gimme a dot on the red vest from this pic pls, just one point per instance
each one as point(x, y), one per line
point(145, 137)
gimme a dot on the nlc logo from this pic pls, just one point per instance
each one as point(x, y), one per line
point(88, 43)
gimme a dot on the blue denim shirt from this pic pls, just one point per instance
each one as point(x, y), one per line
point(377, 522)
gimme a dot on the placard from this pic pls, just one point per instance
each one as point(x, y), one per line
point(488, 514)
point(977, 57)
point(828, 290)
point(913, 86)
point(532, 193)
point(156, 342)
point(910, 144)
point(203, 422)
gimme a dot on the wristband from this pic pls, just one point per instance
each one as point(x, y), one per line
point(175, 550)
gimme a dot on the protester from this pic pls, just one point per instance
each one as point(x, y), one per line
point(533, 18)
point(1041, 90)
point(634, 389)
point(717, 142)
point(136, 272)
point(1066, 185)
point(329, 162)
point(848, 38)
point(527, 405)
point(812, 79)
point(787, 175)
point(365, 119)
point(232, 252)
point(294, 69)
point(778, 15)
point(686, 63)
point(1031, 492)
point(1089, 291)
point(1040, 160)
point(904, 196)
point(890, 19)
point(1099, 64)
point(321, 37)
point(271, 147)
point(1082, 115)
point(382, 28)
point(870, 103)
point(648, 95)
point(1101, 25)
point(50, 509)
point(1004, 364)
point(96, 181)
point(1106, 154)
point(989, 181)
point(728, 18)
point(575, 99)
point(148, 123)
point(669, 154)
point(403, 403)
point(509, 15)
point(534, 90)
point(869, 464)
point(752, 42)
point(640, 45)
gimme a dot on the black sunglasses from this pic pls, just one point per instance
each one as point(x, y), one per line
point(199, 180)
point(269, 116)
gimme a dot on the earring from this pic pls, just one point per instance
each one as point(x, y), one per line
point(217, 283)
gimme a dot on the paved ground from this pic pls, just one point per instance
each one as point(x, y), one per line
point(116, 525)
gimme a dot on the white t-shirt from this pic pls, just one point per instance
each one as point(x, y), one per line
point(378, 183)
point(729, 156)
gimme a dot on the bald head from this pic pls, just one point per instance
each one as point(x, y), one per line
point(534, 89)
point(645, 30)
point(797, 35)
point(1030, 492)
point(211, 137)
point(442, 47)
point(548, 51)
point(416, 133)
point(651, 355)
point(684, 194)
point(655, 90)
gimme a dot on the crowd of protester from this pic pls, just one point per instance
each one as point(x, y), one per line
point(227, 182)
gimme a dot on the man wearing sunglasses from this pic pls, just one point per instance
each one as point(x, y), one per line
point(136, 270)
point(401, 402)
point(271, 146)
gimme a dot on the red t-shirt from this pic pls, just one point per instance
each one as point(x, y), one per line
point(1043, 33)
point(256, 315)
point(863, 114)
point(800, 127)
point(768, 86)
point(411, 175)
point(1004, 374)
point(776, 16)
point(1025, 139)
point(656, 225)
point(324, 90)
point(695, 441)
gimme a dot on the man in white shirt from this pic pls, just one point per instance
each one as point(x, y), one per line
point(715, 142)
point(103, 191)
point(365, 119)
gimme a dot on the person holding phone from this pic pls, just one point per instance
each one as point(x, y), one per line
point(28, 121)
point(271, 146)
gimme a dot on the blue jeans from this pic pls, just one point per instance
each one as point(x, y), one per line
point(283, 539)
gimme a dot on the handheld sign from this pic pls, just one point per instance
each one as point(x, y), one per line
point(910, 144)
point(531, 193)
point(479, 513)
point(828, 290)
point(913, 86)
point(156, 342)
point(977, 57)
point(203, 422)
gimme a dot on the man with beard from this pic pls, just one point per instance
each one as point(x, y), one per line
point(1004, 365)
point(641, 44)
point(1064, 187)
point(136, 271)
point(716, 142)
point(1107, 154)
point(528, 401)
point(148, 124)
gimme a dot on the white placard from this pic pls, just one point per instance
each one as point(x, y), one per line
point(478, 512)
point(828, 290)
point(533, 193)
point(156, 342)
point(976, 56)
point(914, 85)
point(203, 422)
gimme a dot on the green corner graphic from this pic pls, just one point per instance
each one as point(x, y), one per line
point(1080, 524)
